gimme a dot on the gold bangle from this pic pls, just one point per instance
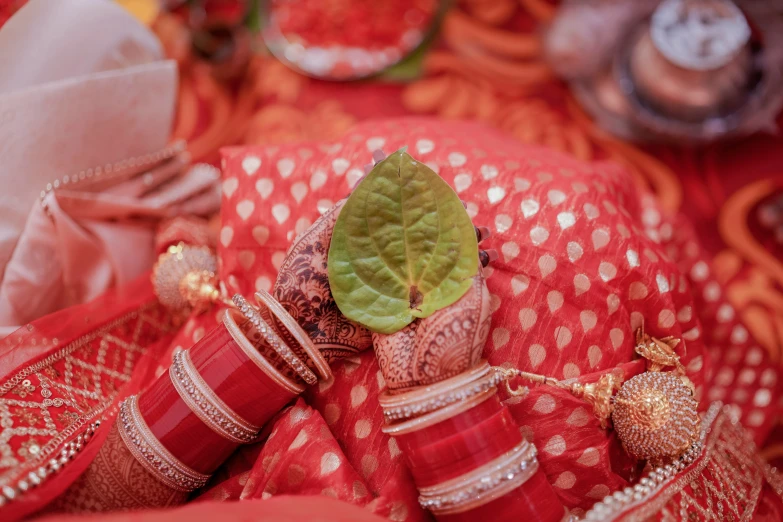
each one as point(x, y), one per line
point(151, 454)
point(482, 485)
point(439, 395)
point(439, 415)
point(274, 340)
point(206, 404)
point(254, 355)
point(297, 332)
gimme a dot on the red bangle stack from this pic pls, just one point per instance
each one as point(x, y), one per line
point(232, 368)
point(471, 463)
point(168, 440)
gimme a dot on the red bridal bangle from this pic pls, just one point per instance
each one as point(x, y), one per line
point(206, 404)
point(298, 334)
point(269, 335)
point(168, 440)
point(466, 454)
point(215, 397)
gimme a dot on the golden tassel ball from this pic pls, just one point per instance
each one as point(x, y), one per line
point(656, 416)
point(185, 278)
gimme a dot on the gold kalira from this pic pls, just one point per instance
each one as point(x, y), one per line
point(274, 340)
point(483, 484)
point(658, 352)
point(206, 404)
point(654, 413)
point(151, 454)
point(655, 416)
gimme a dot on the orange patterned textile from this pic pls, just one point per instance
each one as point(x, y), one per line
point(676, 240)
point(488, 67)
point(586, 258)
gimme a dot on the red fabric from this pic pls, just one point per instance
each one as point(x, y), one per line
point(770, 508)
point(587, 257)
point(288, 508)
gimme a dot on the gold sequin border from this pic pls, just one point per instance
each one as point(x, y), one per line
point(49, 450)
point(655, 490)
point(71, 347)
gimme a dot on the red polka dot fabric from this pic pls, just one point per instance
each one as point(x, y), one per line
point(587, 256)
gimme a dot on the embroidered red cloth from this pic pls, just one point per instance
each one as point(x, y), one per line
point(342, 454)
point(586, 257)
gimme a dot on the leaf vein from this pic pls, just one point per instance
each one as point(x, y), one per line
point(377, 247)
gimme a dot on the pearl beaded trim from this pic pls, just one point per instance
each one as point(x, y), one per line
point(35, 478)
point(271, 337)
point(114, 170)
point(206, 404)
point(486, 483)
point(652, 483)
point(152, 454)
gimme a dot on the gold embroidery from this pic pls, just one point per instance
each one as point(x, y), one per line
point(29, 449)
point(723, 481)
point(67, 418)
point(29, 417)
point(67, 390)
point(24, 389)
point(35, 478)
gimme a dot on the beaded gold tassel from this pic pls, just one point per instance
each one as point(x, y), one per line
point(185, 278)
point(654, 414)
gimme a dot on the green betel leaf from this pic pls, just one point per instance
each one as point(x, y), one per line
point(403, 246)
